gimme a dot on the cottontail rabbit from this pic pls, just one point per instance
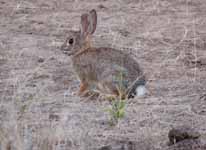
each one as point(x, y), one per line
point(107, 70)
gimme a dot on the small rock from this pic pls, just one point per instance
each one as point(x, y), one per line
point(181, 133)
point(189, 144)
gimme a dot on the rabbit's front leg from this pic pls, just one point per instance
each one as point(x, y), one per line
point(83, 88)
point(85, 91)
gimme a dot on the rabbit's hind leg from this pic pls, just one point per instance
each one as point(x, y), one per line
point(110, 90)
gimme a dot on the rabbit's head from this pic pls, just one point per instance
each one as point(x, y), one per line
point(79, 40)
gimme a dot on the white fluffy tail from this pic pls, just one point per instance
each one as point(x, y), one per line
point(141, 90)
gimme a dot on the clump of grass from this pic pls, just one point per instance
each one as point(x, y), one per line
point(117, 109)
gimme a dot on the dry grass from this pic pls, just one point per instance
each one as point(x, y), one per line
point(38, 105)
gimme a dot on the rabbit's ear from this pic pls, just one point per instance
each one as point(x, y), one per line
point(88, 23)
point(92, 21)
point(84, 25)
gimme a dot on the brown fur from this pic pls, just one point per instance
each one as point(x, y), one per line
point(107, 70)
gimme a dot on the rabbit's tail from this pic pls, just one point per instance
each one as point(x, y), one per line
point(137, 88)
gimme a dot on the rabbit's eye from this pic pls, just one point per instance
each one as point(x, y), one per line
point(71, 41)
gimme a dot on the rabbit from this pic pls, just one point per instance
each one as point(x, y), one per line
point(103, 69)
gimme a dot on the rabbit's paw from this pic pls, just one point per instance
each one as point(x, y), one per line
point(83, 89)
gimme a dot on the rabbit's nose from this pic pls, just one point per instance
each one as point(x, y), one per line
point(64, 47)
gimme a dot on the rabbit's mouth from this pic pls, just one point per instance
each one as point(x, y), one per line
point(67, 53)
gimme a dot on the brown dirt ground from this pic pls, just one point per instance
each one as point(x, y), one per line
point(38, 105)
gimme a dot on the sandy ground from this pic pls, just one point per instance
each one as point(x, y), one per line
point(39, 108)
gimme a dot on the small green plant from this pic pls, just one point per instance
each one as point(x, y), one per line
point(117, 111)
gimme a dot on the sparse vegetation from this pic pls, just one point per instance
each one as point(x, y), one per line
point(116, 111)
point(167, 37)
